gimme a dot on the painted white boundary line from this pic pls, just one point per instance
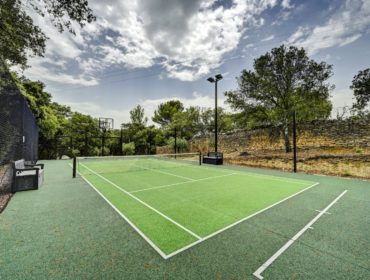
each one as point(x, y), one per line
point(237, 222)
point(251, 174)
point(164, 172)
point(182, 183)
point(159, 251)
point(143, 203)
point(263, 267)
point(151, 243)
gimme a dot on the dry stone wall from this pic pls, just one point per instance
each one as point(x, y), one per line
point(318, 134)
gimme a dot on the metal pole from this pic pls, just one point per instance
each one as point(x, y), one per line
point(294, 143)
point(121, 143)
point(74, 167)
point(175, 141)
point(216, 128)
point(103, 143)
point(86, 148)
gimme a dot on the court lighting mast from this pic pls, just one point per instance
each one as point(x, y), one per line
point(215, 80)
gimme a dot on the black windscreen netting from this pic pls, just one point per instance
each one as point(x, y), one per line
point(18, 128)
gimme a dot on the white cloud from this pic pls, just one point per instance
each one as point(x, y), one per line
point(286, 4)
point(347, 25)
point(189, 38)
point(269, 38)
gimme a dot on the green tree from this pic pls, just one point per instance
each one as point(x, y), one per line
point(284, 80)
point(361, 89)
point(136, 131)
point(166, 111)
point(128, 148)
point(181, 144)
point(186, 122)
point(137, 116)
point(84, 133)
point(20, 37)
point(50, 116)
point(225, 121)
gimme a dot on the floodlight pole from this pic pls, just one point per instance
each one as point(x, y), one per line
point(215, 80)
point(216, 126)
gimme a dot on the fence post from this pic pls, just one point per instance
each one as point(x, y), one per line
point(175, 141)
point(86, 146)
point(294, 143)
point(121, 143)
point(74, 167)
point(102, 143)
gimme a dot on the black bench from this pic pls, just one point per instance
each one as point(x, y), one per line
point(215, 158)
point(27, 176)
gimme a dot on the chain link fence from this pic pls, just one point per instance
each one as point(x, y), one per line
point(18, 129)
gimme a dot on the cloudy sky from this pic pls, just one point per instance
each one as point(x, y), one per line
point(148, 51)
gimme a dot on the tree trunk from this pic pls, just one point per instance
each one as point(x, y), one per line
point(288, 148)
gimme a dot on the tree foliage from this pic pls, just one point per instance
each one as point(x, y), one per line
point(361, 89)
point(20, 37)
point(137, 116)
point(166, 111)
point(283, 80)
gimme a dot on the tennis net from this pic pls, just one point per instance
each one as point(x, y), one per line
point(122, 164)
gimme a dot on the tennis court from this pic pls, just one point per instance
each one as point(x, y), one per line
point(66, 230)
point(174, 202)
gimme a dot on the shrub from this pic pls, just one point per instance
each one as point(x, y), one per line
point(182, 144)
point(128, 148)
point(106, 151)
point(346, 173)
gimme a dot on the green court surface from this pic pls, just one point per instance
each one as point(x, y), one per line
point(66, 230)
point(175, 204)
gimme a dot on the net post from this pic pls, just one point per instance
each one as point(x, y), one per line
point(200, 158)
point(294, 143)
point(74, 167)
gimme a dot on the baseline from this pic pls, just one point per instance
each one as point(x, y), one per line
point(264, 266)
point(251, 174)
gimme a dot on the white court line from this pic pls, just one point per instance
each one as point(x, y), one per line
point(145, 204)
point(237, 222)
point(263, 267)
point(151, 243)
point(227, 227)
point(164, 172)
point(251, 174)
point(182, 183)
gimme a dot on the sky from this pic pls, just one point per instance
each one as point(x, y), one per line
point(149, 51)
